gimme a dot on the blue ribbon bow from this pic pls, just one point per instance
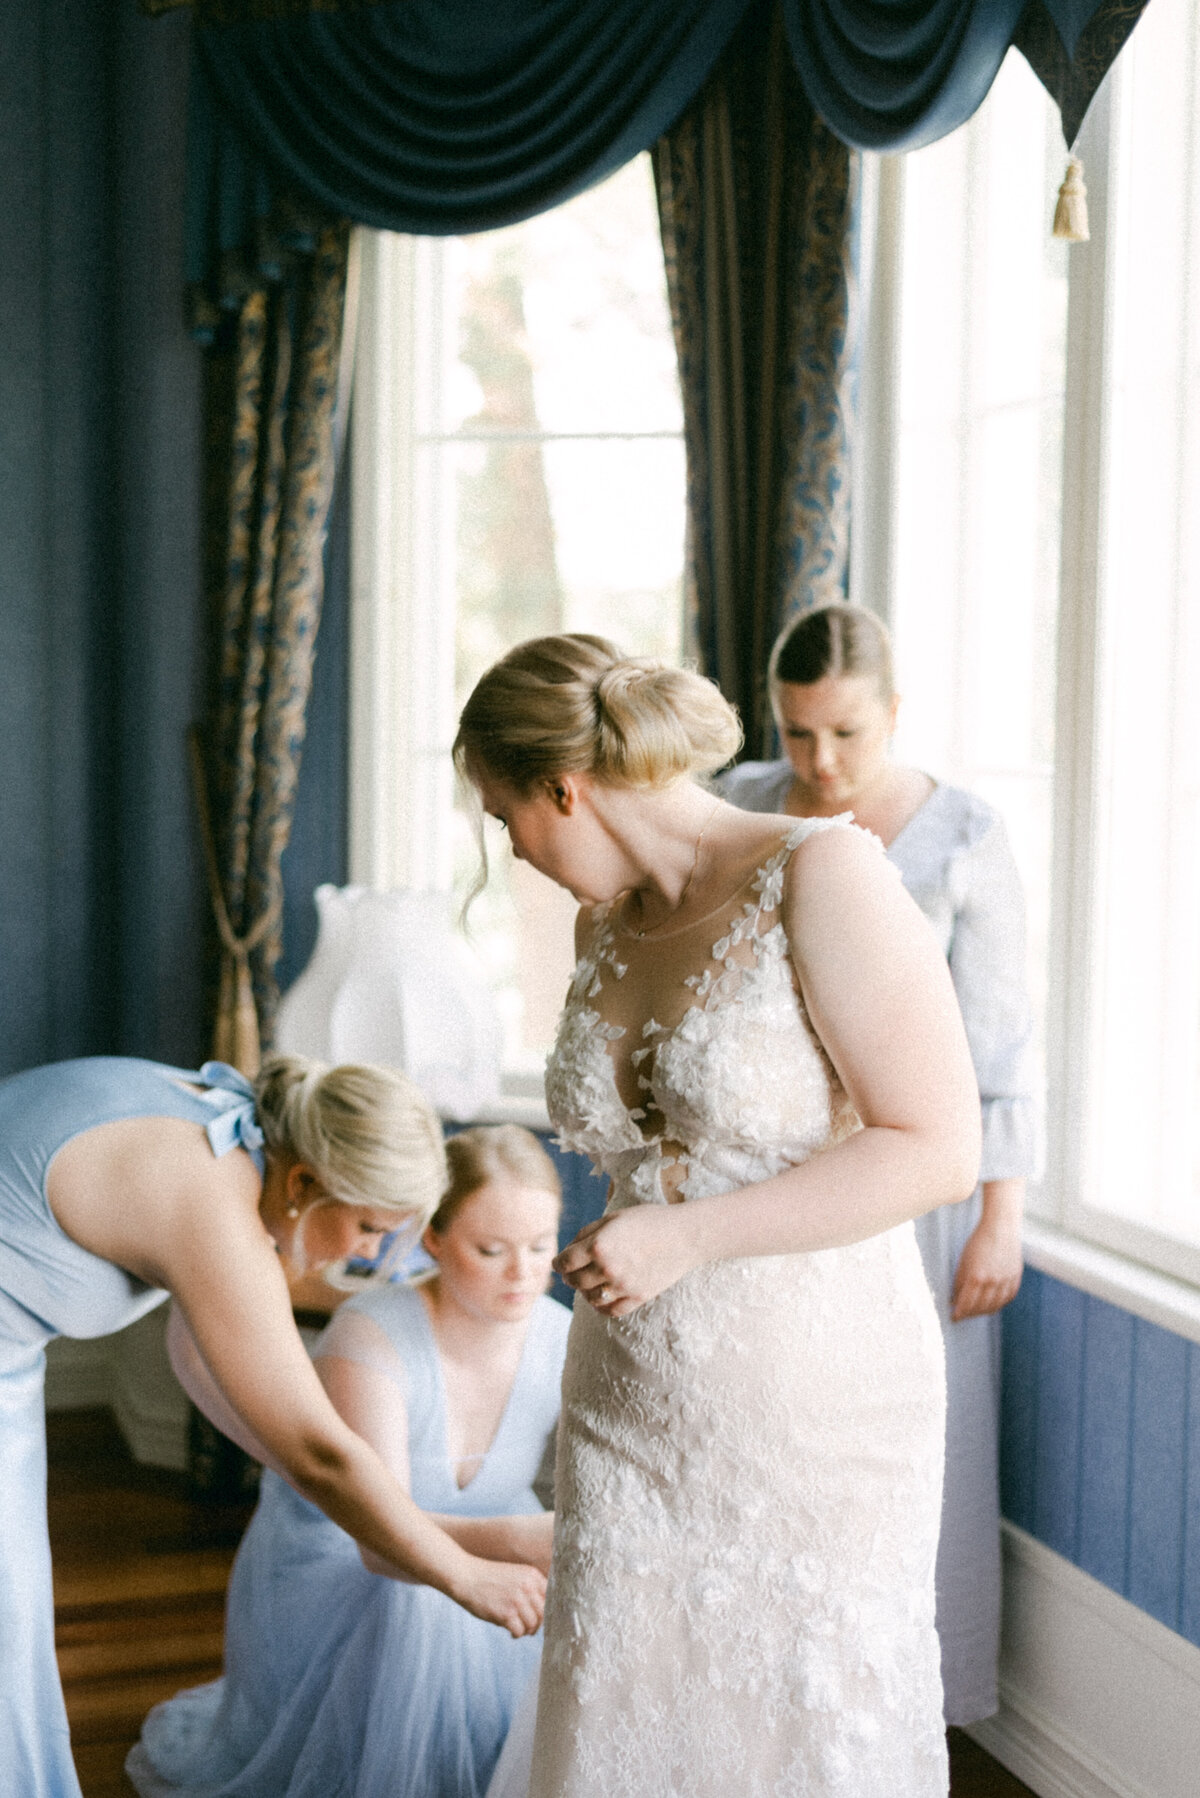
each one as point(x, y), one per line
point(237, 1126)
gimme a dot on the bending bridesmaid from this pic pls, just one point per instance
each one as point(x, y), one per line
point(835, 703)
point(338, 1680)
point(123, 1180)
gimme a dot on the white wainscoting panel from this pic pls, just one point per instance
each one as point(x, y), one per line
point(1098, 1700)
point(130, 1373)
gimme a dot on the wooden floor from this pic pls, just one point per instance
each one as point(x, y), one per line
point(139, 1590)
point(139, 1585)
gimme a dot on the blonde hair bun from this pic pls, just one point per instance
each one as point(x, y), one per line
point(575, 704)
point(368, 1133)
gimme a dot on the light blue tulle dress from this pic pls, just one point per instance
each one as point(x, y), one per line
point(49, 1286)
point(340, 1683)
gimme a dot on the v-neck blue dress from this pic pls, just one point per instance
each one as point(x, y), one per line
point(340, 1683)
point(50, 1286)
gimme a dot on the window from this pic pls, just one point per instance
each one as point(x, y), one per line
point(1041, 561)
point(519, 470)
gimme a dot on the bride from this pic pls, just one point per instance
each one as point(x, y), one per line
point(761, 1049)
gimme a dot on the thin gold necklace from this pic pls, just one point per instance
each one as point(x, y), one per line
point(648, 930)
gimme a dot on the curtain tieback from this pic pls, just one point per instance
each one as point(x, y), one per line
point(236, 1037)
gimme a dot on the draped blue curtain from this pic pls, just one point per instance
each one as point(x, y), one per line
point(445, 116)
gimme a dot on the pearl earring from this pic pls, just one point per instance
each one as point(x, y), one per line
point(293, 1211)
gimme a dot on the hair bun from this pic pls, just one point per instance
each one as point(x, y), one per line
point(574, 703)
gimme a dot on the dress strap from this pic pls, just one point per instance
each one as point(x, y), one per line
point(237, 1126)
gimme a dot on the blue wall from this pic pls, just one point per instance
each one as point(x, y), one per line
point(100, 619)
point(1100, 1445)
point(103, 913)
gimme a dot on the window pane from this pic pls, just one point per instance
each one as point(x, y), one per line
point(549, 482)
point(1146, 1097)
point(578, 296)
point(981, 384)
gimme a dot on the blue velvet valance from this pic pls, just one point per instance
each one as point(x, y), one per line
point(444, 116)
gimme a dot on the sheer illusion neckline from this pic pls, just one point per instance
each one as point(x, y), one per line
point(616, 928)
point(655, 935)
point(765, 880)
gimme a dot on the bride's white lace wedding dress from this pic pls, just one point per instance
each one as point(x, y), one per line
point(749, 1468)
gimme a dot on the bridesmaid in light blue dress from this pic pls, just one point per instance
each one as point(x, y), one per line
point(339, 1680)
point(835, 704)
point(123, 1180)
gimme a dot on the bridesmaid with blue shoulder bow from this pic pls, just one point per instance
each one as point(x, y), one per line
point(123, 1181)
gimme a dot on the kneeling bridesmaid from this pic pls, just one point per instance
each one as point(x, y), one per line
point(339, 1675)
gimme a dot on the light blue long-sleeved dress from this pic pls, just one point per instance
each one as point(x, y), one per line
point(954, 858)
point(340, 1683)
point(50, 1286)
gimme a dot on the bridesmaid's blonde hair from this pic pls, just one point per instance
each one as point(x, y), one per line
point(489, 1152)
point(368, 1134)
point(574, 704)
point(832, 640)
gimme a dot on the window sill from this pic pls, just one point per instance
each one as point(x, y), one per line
point(515, 1108)
point(1173, 1304)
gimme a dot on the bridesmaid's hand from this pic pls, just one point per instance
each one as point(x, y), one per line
point(531, 1538)
point(504, 1593)
point(989, 1270)
point(621, 1261)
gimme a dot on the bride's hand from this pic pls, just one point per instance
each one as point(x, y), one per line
point(622, 1260)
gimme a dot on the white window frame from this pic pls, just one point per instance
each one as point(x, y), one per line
point(402, 614)
point(1128, 1262)
point(401, 720)
point(1083, 609)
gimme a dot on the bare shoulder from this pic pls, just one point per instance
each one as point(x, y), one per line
point(743, 843)
point(840, 891)
point(836, 854)
point(136, 1189)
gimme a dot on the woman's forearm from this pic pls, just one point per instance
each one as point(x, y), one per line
point(1003, 1204)
point(352, 1486)
point(525, 1539)
point(347, 1479)
point(872, 1181)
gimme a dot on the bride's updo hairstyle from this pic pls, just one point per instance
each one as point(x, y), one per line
point(832, 640)
point(368, 1134)
point(575, 705)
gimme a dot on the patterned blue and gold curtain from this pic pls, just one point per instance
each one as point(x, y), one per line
point(271, 375)
point(757, 204)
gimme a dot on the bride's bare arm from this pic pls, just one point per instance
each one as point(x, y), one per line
point(879, 996)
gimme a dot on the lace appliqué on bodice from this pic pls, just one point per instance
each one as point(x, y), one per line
point(739, 1082)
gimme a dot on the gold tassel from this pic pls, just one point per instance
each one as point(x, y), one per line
point(236, 1037)
point(235, 1029)
point(1070, 214)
